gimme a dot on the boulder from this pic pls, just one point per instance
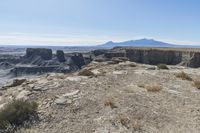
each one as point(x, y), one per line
point(60, 56)
point(45, 54)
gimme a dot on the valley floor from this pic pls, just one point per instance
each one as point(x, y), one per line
point(116, 100)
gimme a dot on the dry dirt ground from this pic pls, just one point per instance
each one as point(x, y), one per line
point(115, 100)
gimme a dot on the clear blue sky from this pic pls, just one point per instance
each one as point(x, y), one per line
point(59, 22)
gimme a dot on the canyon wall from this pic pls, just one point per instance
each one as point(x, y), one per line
point(45, 54)
point(154, 56)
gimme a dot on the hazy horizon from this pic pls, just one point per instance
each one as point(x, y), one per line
point(93, 22)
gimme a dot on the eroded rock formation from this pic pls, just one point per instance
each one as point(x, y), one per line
point(78, 60)
point(45, 54)
point(154, 56)
point(39, 61)
point(60, 56)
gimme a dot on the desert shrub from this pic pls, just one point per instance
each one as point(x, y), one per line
point(141, 85)
point(184, 76)
point(16, 113)
point(153, 87)
point(110, 103)
point(86, 72)
point(162, 66)
point(119, 59)
point(124, 120)
point(197, 84)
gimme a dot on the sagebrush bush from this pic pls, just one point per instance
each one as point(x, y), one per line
point(86, 72)
point(162, 66)
point(16, 113)
point(183, 76)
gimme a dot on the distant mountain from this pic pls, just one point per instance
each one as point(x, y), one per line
point(138, 43)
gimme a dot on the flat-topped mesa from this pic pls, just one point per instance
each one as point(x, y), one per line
point(154, 56)
point(166, 56)
point(45, 54)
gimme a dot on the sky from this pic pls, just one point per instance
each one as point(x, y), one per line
point(92, 22)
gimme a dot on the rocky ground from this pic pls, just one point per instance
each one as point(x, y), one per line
point(115, 100)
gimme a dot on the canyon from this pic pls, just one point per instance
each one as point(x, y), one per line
point(109, 90)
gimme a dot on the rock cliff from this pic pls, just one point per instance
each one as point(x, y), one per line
point(154, 56)
point(45, 54)
point(39, 61)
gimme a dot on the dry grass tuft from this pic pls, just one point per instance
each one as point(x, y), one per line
point(110, 103)
point(184, 76)
point(162, 66)
point(125, 121)
point(153, 87)
point(197, 84)
point(136, 126)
